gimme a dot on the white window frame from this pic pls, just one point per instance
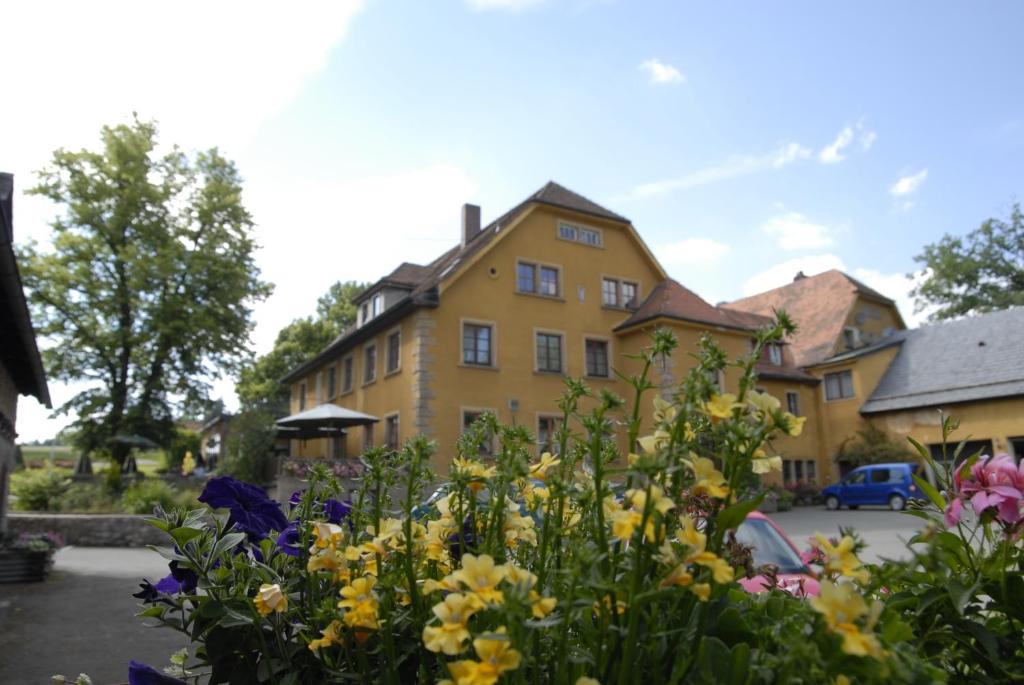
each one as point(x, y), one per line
point(561, 349)
point(493, 342)
point(795, 394)
point(387, 351)
point(348, 365)
point(332, 375)
point(841, 396)
point(775, 354)
point(608, 356)
point(398, 430)
point(547, 416)
point(538, 266)
point(369, 370)
point(578, 231)
point(477, 411)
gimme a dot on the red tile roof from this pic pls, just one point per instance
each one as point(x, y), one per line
point(672, 300)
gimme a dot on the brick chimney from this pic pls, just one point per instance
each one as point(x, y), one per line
point(470, 222)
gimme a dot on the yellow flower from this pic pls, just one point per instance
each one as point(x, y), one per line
point(496, 657)
point(518, 528)
point(269, 598)
point(454, 612)
point(651, 443)
point(763, 402)
point(795, 424)
point(664, 411)
point(605, 605)
point(690, 536)
point(720, 406)
point(624, 522)
point(447, 584)
point(188, 464)
point(475, 470)
point(330, 636)
point(678, 576)
point(327, 534)
point(766, 464)
point(482, 576)
point(360, 603)
point(721, 571)
point(638, 497)
point(841, 559)
point(541, 606)
point(702, 590)
point(329, 559)
point(841, 680)
point(688, 431)
point(540, 469)
point(709, 480)
point(584, 680)
point(841, 606)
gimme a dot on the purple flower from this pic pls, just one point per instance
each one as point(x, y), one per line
point(336, 511)
point(141, 674)
point(251, 510)
point(288, 540)
point(180, 580)
point(150, 595)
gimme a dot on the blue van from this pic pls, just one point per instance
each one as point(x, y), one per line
point(889, 484)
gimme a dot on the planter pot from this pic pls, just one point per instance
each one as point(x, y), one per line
point(24, 566)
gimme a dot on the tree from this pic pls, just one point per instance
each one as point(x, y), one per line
point(980, 273)
point(258, 383)
point(873, 446)
point(147, 292)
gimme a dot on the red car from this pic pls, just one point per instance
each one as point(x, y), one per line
point(770, 545)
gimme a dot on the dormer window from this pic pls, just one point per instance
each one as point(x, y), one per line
point(378, 304)
point(580, 234)
point(851, 338)
point(775, 354)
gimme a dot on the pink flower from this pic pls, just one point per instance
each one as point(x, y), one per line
point(995, 483)
point(953, 512)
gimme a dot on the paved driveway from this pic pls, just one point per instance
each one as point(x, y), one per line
point(82, 619)
point(883, 530)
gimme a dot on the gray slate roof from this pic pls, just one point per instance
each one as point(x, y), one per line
point(971, 359)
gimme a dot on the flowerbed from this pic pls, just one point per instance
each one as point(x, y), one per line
point(588, 566)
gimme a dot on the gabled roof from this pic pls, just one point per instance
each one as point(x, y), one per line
point(976, 358)
point(424, 281)
point(18, 351)
point(819, 305)
point(671, 300)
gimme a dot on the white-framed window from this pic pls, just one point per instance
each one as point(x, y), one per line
point(332, 382)
point(610, 292)
point(549, 352)
point(596, 352)
point(775, 354)
point(302, 395)
point(799, 470)
point(629, 292)
point(347, 373)
point(477, 343)
point(580, 234)
point(793, 403)
point(367, 437)
point(391, 431)
point(851, 338)
point(369, 364)
point(378, 304)
point(538, 279)
point(319, 386)
point(717, 380)
point(394, 351)
point(547, 433)
point(839, 385)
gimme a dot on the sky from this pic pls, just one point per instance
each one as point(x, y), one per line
point(746, 141)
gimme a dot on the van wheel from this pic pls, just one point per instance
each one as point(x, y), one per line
point(832, 502)
point(896, 503)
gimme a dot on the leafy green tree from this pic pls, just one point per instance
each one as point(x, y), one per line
point(258, 384)
point(872, 445)
point(147, 292)
point(979, 273)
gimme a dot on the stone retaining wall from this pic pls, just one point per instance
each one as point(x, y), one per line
point(89, 530)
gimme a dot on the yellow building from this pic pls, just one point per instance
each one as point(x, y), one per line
point(559, 286)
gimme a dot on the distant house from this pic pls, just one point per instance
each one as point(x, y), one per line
point(21, 369)
point(213, 438)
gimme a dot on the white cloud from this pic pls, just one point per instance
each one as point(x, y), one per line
point(691, 251)
point(908, 184)
point(831, 154)
point(662, 73)
point(894, 285)
point(794, 231)
point(744, 165)
point(511, 5)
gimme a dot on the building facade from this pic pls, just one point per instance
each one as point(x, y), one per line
point(560, 287)
point(21, 369)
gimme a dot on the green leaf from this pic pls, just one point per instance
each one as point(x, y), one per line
point(930, 492)
point(233, 617)
point(151, 612)
point(734, 515)
point(183, 535)
point(157, 523)
point(167, 553)
point(229, 541)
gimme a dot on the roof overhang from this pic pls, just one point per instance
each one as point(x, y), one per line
point(648, 322)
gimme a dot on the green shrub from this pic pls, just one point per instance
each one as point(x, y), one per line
point(88, 498)
point(40, 489)
point(182, 441)
point(140, 497)
point(251, 446)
